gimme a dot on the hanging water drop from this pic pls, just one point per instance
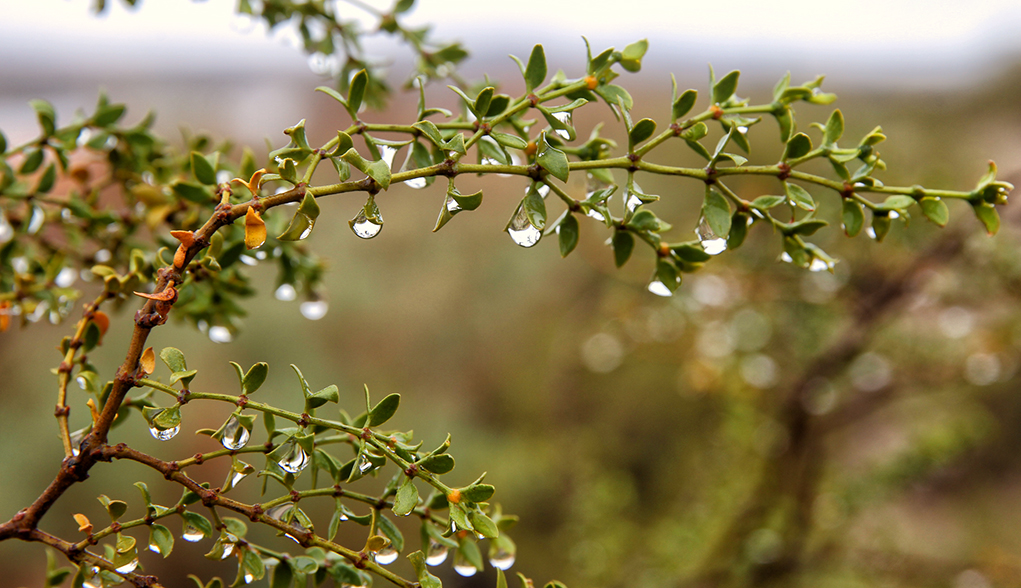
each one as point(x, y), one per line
point(387, 153)
point(249, 577)
point(191, 533)
point(76, 441)
point(819, 265)
point(436, 553)
point(128, 567)
point(462, 566)
point(364, 465)
point(248, 260)
point(364, 227)
point(235, 436)
point(521, 230)
point(416, 183)
point(314, 310)
point(452, 206)
point(502, 559)
point(65, 277)
point(220, 334)
point(285, 293)
point(564, 117)
point(92, 579)
point(593, 213)
point(228, 549)
point(164, 434)
point(82, 382)
point(35, 222)
point(238, 476)
point(387, 555)
point(659, 288)
point(154, 548)
point(295, 460)
point(277, 512)
point(711, 242)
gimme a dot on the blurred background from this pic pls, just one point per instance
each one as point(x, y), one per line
point(764, 426)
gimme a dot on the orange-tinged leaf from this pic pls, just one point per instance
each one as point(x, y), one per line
point(148, 361)
point(102, 321)
point(83, 522)
point(167, 293)
point(5, 316)
point(185, 237)
point(255, 229)
point(93, 410)
point(180, 255)
point(253, 183)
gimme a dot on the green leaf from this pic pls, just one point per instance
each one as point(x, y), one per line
point(512, 141)
point(716, 212)
point(986, 213)
point(255, 377)
point(47, 180)
point(535, 207)
point(898, 202)
point(935, 210)
point(666, 273)
point(623, 244)
point(328, 394)
point(282, 575)
point(425, 579)
point(483, 524)
point(535, 71)
point(642, 130)
point(174, 359)
point(738, 230)
point(567, 232)
point(806, 226)
point(725, 88)
point(33, 159)
point(191, 192)
point(767, 202)
point(552, 160)
point(852, 217)
point(880, 225)
point(304, 564)
point(387, 527)
point(204, 170)
point(834, 128)
point(478, 492)
point(683, 104)
point(438, 464)
point(430, 131)
point(46, 115)
point(168, 418)
point(115, 508)
point(631, 56)
point(162, 538)
point(198, 521)
point(356, 92)
point(798, 146)
point(615, 95)
point(481, 103)
point(799, 196)
point(406, 499)
point(3, 143)
point(383, 411)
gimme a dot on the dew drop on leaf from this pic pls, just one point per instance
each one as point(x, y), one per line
point(234, 435)
point(164, 434)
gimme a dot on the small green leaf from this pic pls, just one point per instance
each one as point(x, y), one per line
point(567, 232)
point(204, 170)
point(986, 213)
point(535, 71)
point(798, 146)
point(623, 244)
point(716, 212)
point(162, 538)
point(430, 131)
point(631, 56)
point(383, 411)
point(356, 92)
point(767, 202)
point(406, 499)
point(683, 104)
point(807, 226)
point(852, 217)
point(174, 359)
point(478, 492)
point(438, 464)
point(33, 159)
point(425, 579)
point(880, 226)
point(535, 207)
point(834, 128)
point(47, 180)
point(328, 394)
point(935, 210)
point(481, 103)
point(799, 196)
point(115, 508)
point(642, 130)
point(725, 88)
point(483, 524)
point(197, 521)
point(304, 564)
point(191, 192)
point(738, 230)
point(552, 160)
point(898, 202)
point(512, 141)
point(387, 527)
point(46, 115)
point(282, 575)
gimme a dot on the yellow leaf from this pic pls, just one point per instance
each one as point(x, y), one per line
point(148, 361)
point(255, 229)
point(83, 523)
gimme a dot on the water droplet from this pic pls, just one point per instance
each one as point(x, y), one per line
point(228, 548)
point(35, 222)
point(20, 264)
point(285, 293)
point(502, 559)
point(238, 476)
point(870, 232)
point(452, 206)
point(83, 137)
point(364, 465)
point(249, 577)
point(543, 190)
point(416, 183)
point(128, 567)
point(564, 117)
point(387, 153)
point(365, 228)
point(462, 566)
point(711, 242)
point(786, 257)
point(234, 435)
point(76, 441)
point(65, 277)
point(742, 130)
point(82, 382)
point(154, 548)
point(220, 334)
point(295, 460)
point(248, 260)
point(593, 213)
point(191, 533)
point(103, 255)
point(319, 63)
point(818, 265)
point(659, 288)
point(894, 214)
point(92, 580)
point(314, 310)
point(436, 554)
point(277, 512)
point(164, 434)
point(521, 231)
point(387, 555)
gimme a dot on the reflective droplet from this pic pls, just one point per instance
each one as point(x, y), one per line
point(436, 554)
point(76, 441)
point(564, 117)
point(593, 213)
point(228, 548)
point(365, 228)
point(416, 183)
point(295, 460)
point(462, 566)
point(279, 511)
point(249, 577)
point(220, 334)
point(154, 548)
point(285, 293)
point(314, 310)
point(452, 206)
point(321, 64)
point(542, 189)
point(364, 465)
point(234, 435)
point(20, 264)
point(92, 579)
point(248, 260)
point(238, 476)
point(386, 153)
point(82, 382)
point(819, 265)
point(521, 231)
point(711, 242)
point(6, 230)
point(35, 222)
point(502, 559)
point(191, 533)
point(164, 434)
point(128, 567)
point(103, 255)
point(65, 277)
point(387, 555)
point(659, 288)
